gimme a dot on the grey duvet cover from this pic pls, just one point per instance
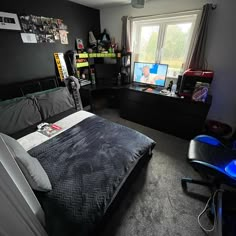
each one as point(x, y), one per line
point(87, 165)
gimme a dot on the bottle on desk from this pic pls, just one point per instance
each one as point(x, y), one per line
point(173, 89)
point(93, 80)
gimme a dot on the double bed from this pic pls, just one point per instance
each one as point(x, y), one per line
point(88, 163)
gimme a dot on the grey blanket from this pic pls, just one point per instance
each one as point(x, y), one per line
point(87, 165)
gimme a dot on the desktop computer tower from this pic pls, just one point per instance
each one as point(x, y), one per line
point(189, 79)
point(178, 83)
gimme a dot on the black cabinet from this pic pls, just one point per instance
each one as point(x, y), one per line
point(125, 67)
point(180, 117)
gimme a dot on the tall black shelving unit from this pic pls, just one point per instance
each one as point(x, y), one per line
point(125, 67)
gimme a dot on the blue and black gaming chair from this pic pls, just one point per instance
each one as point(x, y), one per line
point(217, 163)
point(212, 159)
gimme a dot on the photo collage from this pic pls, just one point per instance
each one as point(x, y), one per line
point(44, 29)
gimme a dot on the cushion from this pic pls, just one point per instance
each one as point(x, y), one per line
point(53, 102)
point(18, 114)
point(30, 166)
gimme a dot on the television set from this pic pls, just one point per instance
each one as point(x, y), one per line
point(153, 74)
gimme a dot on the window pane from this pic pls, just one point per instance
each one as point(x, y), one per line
point(175, 47)
point(145, 50)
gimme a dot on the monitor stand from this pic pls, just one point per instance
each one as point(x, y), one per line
point(144, 87)
point(141, 85)
point(147, 86)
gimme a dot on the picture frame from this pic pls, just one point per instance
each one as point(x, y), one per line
point(79, 44)
point(9, 21)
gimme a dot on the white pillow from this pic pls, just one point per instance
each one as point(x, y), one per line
point(30, 166)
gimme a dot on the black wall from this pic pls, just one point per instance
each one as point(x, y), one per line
point(20, 61)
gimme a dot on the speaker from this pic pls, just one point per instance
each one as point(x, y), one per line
point(179, 83)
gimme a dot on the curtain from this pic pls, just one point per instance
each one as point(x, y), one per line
point(125, 37)
point(197, 60)
point(16, 216)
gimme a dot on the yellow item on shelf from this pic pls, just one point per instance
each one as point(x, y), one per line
point(83, 55)
point(82, 64)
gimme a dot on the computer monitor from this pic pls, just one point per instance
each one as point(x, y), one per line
point(150, 73)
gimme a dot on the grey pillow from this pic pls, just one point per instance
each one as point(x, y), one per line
point(18, 114)
point(30, 166)
point(54, 101)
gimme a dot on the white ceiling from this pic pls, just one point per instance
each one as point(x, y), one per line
point(101, 3)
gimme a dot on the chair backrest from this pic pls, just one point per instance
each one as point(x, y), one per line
point(211, 158)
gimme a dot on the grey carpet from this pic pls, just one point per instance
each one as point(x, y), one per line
point(155, 203)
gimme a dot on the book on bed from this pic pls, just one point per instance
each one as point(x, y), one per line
point(48, 129)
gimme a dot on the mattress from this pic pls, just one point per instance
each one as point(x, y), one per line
point(87, 165)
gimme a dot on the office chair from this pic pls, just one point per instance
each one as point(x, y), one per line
point(217, 164)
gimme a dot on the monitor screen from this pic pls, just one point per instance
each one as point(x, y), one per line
point(150, 73)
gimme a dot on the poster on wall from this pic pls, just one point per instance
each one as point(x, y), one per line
point(46, 30)
point(61, 65)
point(28, 38)
point(63, 36)
point(9, 21)
point(79, 44)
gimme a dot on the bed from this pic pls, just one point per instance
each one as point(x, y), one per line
point(88, 163)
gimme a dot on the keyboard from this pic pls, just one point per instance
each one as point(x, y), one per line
point(159, 89)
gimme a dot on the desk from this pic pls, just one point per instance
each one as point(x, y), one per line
point(87, 92)
point(173, 115)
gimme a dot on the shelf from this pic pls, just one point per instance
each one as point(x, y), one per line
point(82, 55)
point(92, 55)
point(106, 55)
point(85, 62)
point(82, 64)
point(97, 55)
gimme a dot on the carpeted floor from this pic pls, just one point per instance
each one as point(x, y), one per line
point(155, 205)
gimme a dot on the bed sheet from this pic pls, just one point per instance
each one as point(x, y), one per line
point(36, 138)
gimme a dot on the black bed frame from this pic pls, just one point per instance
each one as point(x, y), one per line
point(20, 89)
point(123, 195)
point(13, 90)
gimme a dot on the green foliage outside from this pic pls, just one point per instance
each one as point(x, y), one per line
point(174, 49)
point(148, 50)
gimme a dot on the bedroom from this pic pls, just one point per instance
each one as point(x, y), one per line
point(20, 62)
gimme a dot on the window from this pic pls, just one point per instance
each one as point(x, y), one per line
point(165, 40)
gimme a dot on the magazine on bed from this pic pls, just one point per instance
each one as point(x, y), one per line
point(48, 129)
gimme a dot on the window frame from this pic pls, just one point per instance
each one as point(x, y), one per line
point(163, 21)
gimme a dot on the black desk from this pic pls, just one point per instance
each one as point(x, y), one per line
point(171, 114)
point(174, 115)
point(88, 92)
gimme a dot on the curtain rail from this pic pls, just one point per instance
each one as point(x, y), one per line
point(164, 14)
point(214, 6)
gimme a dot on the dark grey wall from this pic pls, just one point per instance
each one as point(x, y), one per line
point(19, 61)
